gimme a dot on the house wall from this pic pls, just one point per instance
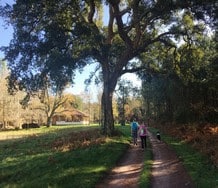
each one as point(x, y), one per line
point(72, 122)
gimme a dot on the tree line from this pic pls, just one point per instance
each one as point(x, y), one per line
point(52, 39)
point(185, 89)
point(17, 110)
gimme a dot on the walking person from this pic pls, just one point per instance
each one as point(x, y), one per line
point(134, 131)
point(143, 134)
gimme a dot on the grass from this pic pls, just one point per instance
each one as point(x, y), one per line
point(144, 180)
point(58, 157)
point(77, 156)
point(63, 156)
point(200, 168)
point(40, 131)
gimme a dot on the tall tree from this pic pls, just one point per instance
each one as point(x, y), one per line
point(53, 38)
point(124, 91)
point(187, 91)
point(10, 109)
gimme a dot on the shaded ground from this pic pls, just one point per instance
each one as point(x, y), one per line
point(127, 172)
point(167, 171)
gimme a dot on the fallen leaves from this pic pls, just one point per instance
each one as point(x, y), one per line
point(203, 137)
point(78, 139)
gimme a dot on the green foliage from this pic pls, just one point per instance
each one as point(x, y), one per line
point(184, 93)
point(124, 93)
point(54, 38)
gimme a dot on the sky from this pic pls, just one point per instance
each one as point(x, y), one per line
point(6, 34)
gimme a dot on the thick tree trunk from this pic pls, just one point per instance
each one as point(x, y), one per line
point(107, 113)
point(107, 122)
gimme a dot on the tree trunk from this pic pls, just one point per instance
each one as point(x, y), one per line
point(107, 113)
point(107, 121)
point(48, 121)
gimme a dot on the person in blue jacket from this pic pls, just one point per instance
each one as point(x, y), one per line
point(134, 131)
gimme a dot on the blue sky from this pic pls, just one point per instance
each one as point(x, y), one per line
point(6, 34)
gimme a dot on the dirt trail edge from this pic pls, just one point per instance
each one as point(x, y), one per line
point(167, 170)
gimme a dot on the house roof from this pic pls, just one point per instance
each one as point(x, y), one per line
point(72, 112)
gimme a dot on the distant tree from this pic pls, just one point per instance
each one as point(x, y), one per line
point(10, 108)
point(53, 38)
point(78, 102)
point(52, 102)
point(71, 101)
point(125, 91)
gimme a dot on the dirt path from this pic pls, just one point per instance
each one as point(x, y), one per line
point(127, 172)
point(167, 171)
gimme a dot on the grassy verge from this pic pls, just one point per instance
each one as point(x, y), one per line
point(203, 173)
point(59, 157)
point(144, 180)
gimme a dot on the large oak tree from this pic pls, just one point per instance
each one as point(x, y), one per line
point(53, 38)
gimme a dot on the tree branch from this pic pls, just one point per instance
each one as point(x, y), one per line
point(142, 68)
point(110, 25)
point(159, 39)
point(92, 11)
point(120, 25)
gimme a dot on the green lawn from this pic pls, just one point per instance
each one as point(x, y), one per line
point(58, 157)
point(78, 156)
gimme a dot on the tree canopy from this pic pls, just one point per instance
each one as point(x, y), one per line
point(54, 38)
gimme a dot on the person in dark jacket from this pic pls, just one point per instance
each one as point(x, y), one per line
point(158, 135)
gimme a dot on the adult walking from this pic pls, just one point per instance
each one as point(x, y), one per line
point(143, 134)
point(134, 131)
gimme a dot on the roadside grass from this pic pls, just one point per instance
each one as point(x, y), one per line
point(68, 156)
point(145, 178)
point(200, 168)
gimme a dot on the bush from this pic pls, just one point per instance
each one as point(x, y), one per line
point(30, 125)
